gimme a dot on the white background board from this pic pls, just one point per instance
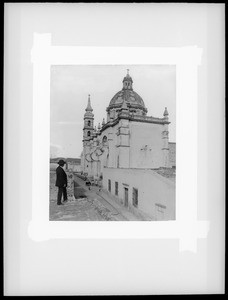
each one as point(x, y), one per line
point(112, 266)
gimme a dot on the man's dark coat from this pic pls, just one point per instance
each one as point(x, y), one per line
point(61, 177)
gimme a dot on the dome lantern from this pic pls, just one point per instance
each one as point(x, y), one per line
point(127, 82)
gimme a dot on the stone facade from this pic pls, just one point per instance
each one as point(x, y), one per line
point(128, 138)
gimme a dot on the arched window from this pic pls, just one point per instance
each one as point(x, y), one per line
point(104, 140)
point(89, 123)
point(88, 134)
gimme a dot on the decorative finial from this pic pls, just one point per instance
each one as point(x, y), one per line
point(127, 71)
point(99, 126)
point(103, 122)
point(89, 107)
point(165, 112)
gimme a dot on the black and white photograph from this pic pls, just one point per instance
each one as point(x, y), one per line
point(114, 149)
point(112, 143)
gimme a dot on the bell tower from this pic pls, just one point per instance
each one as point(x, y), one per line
point(88, 128)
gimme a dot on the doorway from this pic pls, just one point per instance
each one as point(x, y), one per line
point(126, 197)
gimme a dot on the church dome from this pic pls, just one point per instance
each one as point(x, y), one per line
point(132, 99)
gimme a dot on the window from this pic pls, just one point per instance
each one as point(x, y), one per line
point(135, 197)
point(125, 196)
point(88, 134)
point(89, 123)
point(109, 185)
point(116, 188)
point(104, 140)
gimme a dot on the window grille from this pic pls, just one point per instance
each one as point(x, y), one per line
point(116, 188)
point(109, 185)
point(135, 197)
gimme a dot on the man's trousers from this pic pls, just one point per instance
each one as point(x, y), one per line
point(61, 191)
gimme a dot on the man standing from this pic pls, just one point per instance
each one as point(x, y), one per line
point(61, 182)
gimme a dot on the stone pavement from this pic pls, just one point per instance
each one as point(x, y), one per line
point(120, 212)
point(90, 205)
point(123, 211)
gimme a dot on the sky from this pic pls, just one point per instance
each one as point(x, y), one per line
point(71, 85)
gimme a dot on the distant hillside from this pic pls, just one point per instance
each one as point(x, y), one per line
point(76, 161)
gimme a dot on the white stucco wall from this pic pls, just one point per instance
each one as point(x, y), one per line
point(172, 154)
point(152, 188)
point(142, 134)
point(129, 144)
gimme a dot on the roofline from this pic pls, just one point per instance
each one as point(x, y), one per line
point(132, 119)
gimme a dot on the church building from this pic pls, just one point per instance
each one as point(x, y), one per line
point(129, 151)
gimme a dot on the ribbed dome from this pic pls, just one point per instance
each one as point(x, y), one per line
point(132, 99)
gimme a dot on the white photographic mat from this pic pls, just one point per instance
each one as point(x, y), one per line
point(186, 227)
point(185, 256)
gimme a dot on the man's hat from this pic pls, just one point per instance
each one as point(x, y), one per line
point(61, 162)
